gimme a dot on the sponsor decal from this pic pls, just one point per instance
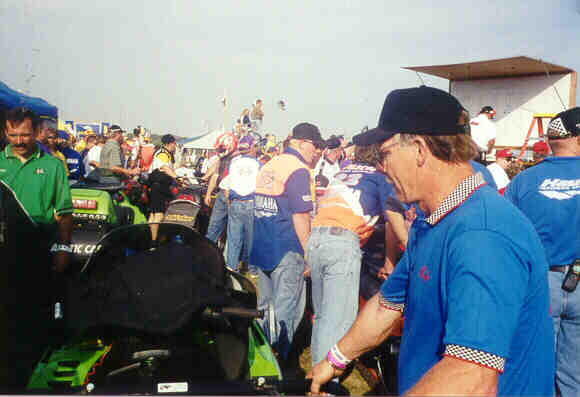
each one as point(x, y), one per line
point(179, 218)
point(39, 171)
point(90, 217)
point(173, 387)
point(560, 189)
point(84, 249)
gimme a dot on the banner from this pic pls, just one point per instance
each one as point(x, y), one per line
point(88, 128)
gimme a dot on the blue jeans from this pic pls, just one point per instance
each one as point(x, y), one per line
point(219, 218)
point(565, 309)
point(282, 296)
point(334, 257)
point(240, 228)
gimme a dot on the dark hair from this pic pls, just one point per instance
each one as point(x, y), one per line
point(368, 155)
point(16, 116)
point(136, 131)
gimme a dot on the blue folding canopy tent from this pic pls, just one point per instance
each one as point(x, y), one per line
point(10, 98)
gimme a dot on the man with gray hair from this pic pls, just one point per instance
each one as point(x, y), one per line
point(473, 286)
point(549, 195)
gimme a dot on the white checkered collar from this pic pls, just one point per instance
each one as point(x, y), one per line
point(457, 197)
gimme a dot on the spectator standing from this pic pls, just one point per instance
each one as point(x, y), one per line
point(541, 150)
point(94, 154)
point(503, 158)
point(52, 147)
point(257, 116)
point(548, 193)
point(112, 156)
point(346, 214)
point(328, 165)
point(473, 286)
point(40, 184)
point(483, 132)
point(46, 126)
point(161, 177)
point(245, 117)
point(283, 202)
point(217, 176)
point(243, 173)
point(74, 161)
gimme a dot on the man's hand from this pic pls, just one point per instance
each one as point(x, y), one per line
point(60, 261)
point(306, 270)
point(386, 270)
point(321, 374)
point(207, 200)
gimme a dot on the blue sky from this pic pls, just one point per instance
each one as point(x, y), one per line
point(166, 64)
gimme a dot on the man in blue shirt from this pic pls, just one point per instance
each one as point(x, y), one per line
point(473, 280)
point(74, 162)
point(549, 195)
point(283, 202)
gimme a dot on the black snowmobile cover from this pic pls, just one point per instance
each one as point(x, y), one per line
point(156, 290)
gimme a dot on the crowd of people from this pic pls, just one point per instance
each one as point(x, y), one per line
point(482, 260)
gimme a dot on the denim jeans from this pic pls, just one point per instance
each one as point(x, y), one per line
point(219, 218)
point(240, 227)
point(334, 257)
point(565, 309)
point(282, 295)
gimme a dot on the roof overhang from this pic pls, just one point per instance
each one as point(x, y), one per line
point(494, 68)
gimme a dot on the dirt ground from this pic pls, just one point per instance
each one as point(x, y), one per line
point(354, 382)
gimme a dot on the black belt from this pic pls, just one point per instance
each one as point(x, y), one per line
point(559, 269)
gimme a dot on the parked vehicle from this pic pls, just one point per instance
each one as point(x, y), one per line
point(159, 320)
point(101, 204)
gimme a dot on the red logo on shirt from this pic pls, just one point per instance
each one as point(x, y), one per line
point(425, 274)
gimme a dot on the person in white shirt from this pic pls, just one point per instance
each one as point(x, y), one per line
point(329, 164)
point(483, 131)
point(94, 155)
point(502, 160)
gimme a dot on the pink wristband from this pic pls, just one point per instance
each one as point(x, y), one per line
point(334, 362)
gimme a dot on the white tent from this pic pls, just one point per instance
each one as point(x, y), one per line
point(205, 141)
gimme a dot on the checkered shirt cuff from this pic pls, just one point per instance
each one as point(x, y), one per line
point(475, 356)
point(383, 302)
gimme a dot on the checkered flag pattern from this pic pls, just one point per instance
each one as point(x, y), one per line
point(458, 196)
point(398, 307)
point(475, 356)
point(557, 129)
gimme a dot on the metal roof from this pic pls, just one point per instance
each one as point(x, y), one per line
point(494, 68)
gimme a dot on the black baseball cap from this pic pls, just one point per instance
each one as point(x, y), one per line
point(565, 124)
point(167, 139)
point(333, 143)
point(309, 132)
point(420, 110)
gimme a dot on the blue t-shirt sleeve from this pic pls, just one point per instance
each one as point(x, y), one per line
point(485, 287)
point(298, 192)
point(394, 289)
